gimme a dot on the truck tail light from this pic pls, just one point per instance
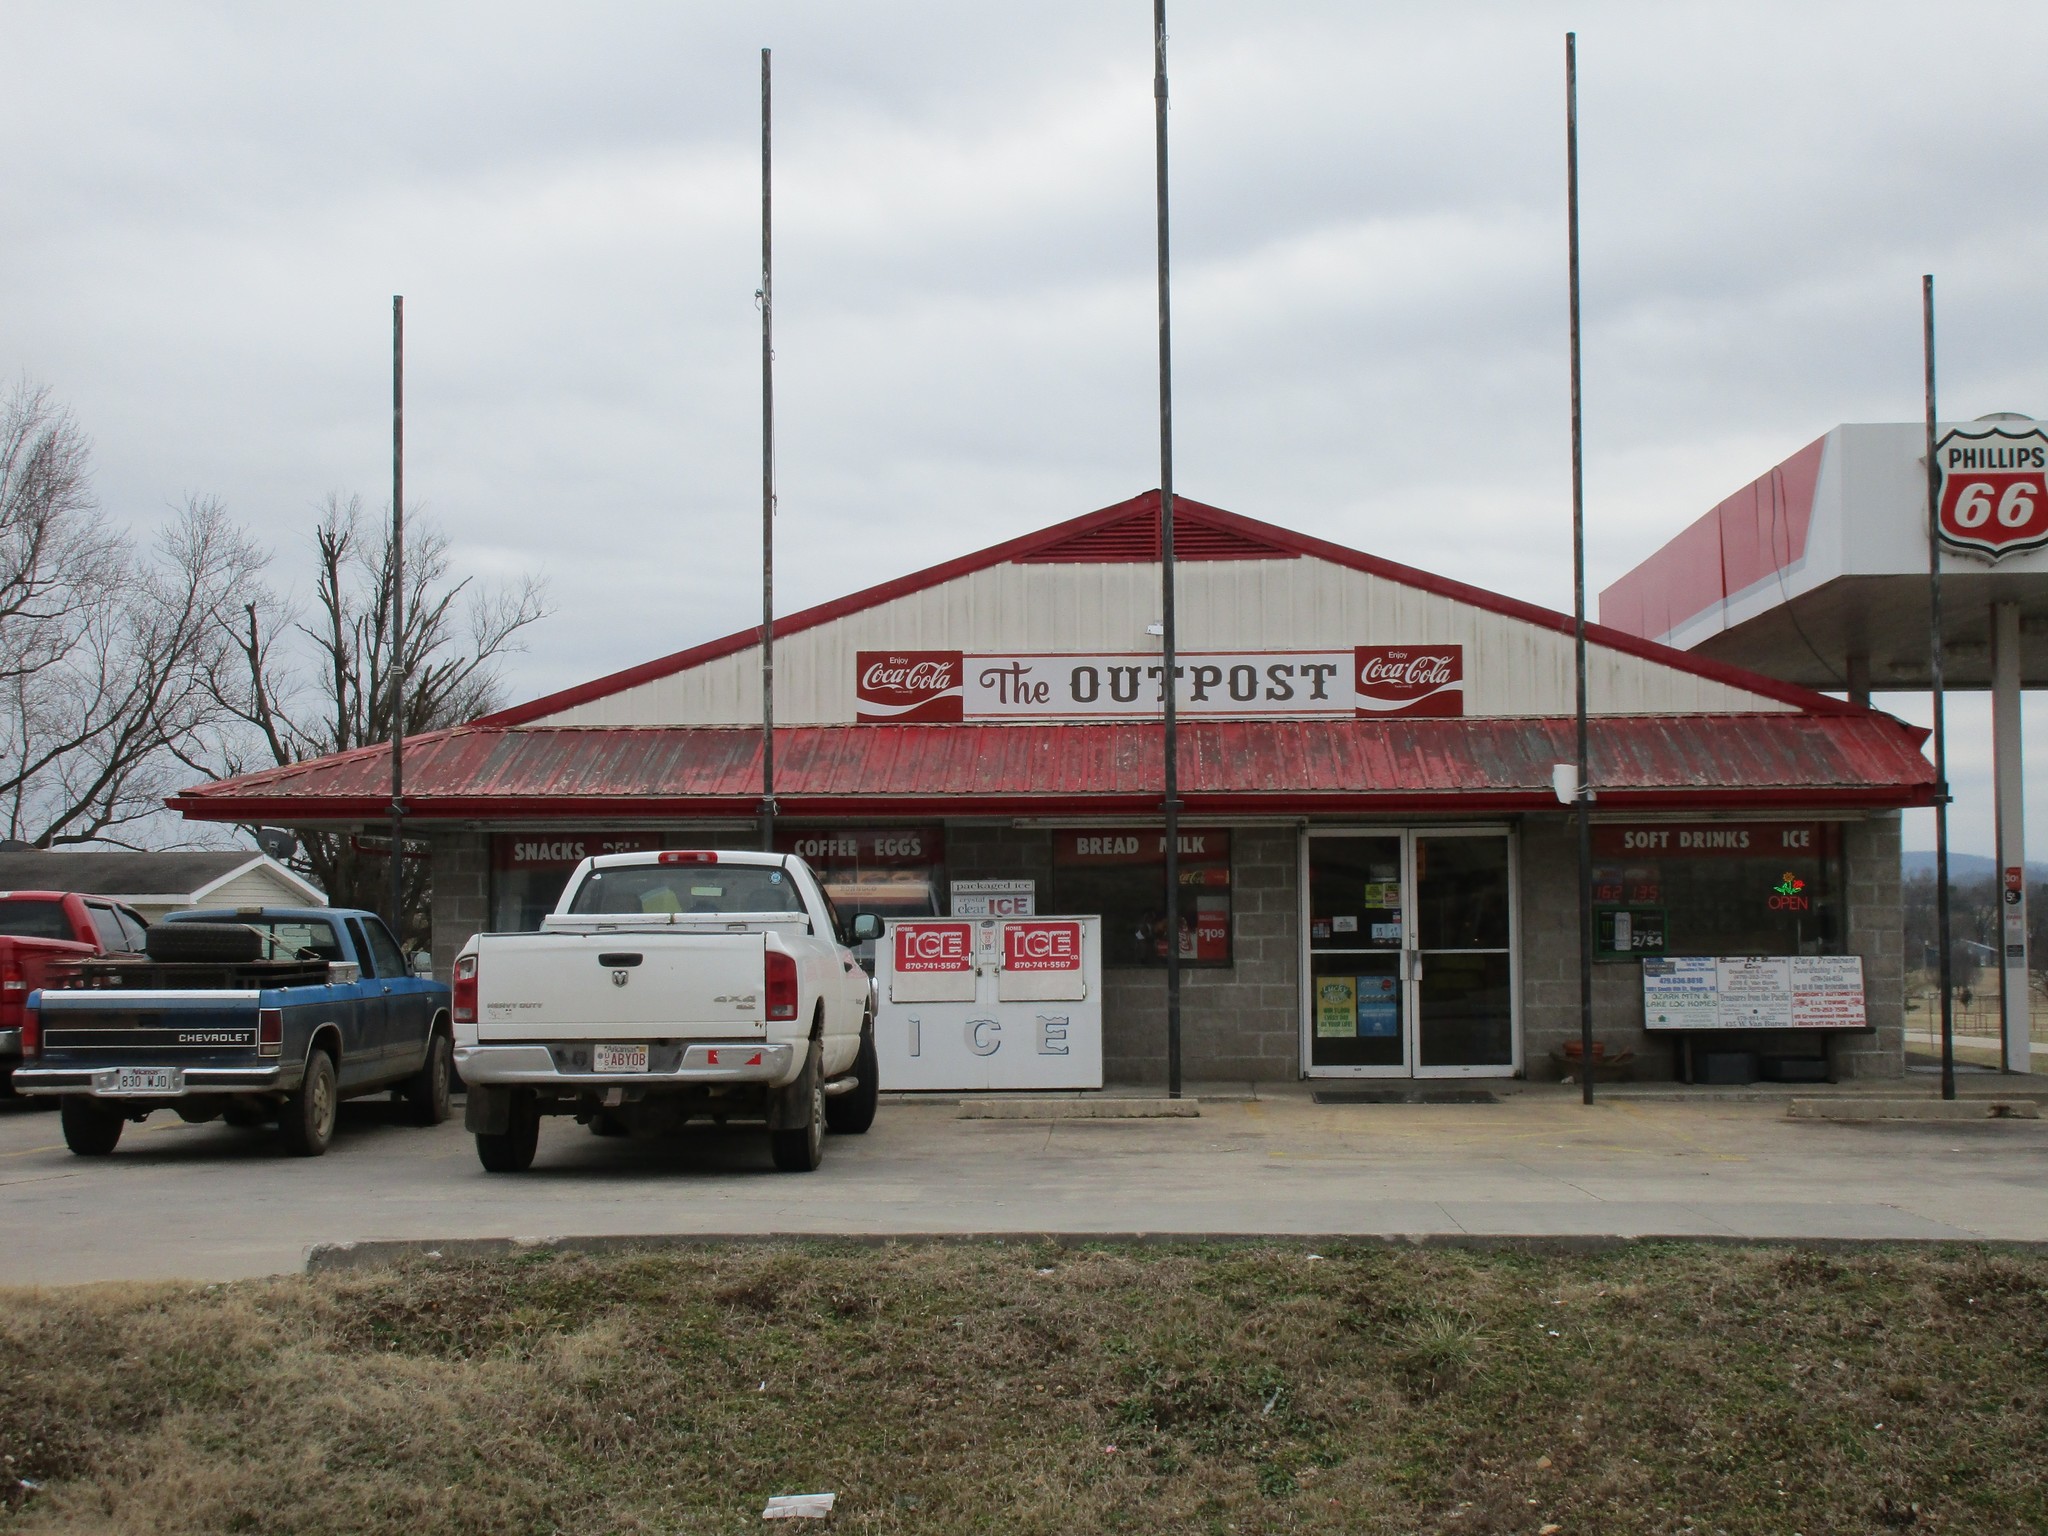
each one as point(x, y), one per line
point(689, 857)
point(269, 1031)
point(780, 985)
point(11, 979)
point(31, 1033)
point(465, 989)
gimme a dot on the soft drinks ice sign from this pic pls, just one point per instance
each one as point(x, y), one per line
point(1994, 490)
point(1366, 681)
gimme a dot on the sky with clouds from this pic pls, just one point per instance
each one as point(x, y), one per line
point(210, 207)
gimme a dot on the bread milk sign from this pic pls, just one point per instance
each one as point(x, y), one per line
point(1993, 496)
point(1367, 681)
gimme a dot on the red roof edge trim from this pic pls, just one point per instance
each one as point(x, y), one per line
point(1027, 545)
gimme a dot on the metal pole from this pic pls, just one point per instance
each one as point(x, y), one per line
point(2009, 800)
point(1944, 970)
point(1168, 670)
point(1583, 793)
point(398, 617)
point(767, 298)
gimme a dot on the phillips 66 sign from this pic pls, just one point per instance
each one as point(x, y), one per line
point(1994, 489)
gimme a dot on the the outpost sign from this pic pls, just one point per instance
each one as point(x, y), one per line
point(901, 687)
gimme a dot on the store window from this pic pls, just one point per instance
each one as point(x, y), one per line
point(889, 871)
point(1717, 888)
point(1120, 873)
point(529, 869)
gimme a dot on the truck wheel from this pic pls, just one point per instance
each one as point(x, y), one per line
point(426, 1091)
point(90, 1130)
point(852, 1113)
point(511, 1151)
point(802, 1147)
point(306, 1123)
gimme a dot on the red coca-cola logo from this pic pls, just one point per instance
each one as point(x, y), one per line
point(1410, 680)
point(1041, 946)
point(1994, 490)
point(927, 947)
point(899, 686)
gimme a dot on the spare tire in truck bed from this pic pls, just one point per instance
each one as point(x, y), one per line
point(219, 943)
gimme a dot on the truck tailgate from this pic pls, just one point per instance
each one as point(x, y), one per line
point(633, 986)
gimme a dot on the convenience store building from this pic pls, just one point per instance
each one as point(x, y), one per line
point(1366, 775)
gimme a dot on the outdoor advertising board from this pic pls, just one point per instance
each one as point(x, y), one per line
point(990, 1003)
point(1723, 992)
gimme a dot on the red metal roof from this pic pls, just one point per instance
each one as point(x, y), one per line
point(1129, 531)
point(1403, 766)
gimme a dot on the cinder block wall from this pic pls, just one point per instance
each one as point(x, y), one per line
point(1550, 959)
point(462, 892)
point(1240, 1023)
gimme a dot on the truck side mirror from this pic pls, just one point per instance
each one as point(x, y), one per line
point(866, 926)
point(423, 965)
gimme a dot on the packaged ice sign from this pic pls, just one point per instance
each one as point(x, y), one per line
point(994, 898)
point(1373, 681)
point(932, 962)
point(1025, 1012)
point(1993, 495)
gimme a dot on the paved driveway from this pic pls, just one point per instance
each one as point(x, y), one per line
point(208, 1202)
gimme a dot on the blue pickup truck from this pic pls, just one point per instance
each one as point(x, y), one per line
point(249, 1016)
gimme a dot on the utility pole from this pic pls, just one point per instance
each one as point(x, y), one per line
point(398, 617)
point(1944, 967)
point(1169, 672)
point(1583, 791)
point(766, 296)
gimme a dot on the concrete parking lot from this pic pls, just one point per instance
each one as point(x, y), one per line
point(211, 1203)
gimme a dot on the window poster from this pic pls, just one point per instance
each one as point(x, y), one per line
point(1379, 1007)
point(1336, 1007)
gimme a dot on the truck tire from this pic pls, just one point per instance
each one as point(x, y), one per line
point(427, 1090)
point(511, 1151)
point(306, 1123)
point(850, 1114)
point(800, 1148)
point(90, 1128)
point(215, 943)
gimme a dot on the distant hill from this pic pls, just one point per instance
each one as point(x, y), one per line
point(1962, 866)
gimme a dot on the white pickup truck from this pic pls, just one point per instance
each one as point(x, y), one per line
point(665, 987)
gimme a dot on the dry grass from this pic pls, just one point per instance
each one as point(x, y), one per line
point(1022, 1389)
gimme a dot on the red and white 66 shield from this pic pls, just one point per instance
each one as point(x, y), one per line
point(1994, 489)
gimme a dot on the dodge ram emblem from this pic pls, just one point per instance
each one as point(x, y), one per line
point(619, 978)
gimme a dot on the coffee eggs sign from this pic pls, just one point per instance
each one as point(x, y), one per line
point(908, 687)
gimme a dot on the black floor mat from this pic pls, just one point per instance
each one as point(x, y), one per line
point(1408, 1096)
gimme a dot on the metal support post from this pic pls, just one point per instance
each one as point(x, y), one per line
point(2015, 1002)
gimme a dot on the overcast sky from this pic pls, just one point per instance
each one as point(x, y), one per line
point(209, 208)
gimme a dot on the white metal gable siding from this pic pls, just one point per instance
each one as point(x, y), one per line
point(1511, 667)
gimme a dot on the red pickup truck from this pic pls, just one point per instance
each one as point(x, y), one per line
point(42, 928)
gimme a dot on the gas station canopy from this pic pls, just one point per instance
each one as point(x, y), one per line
point(1816, 572)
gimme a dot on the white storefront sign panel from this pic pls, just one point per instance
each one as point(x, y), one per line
point(994, 898)
point(913, 687)
point(1754, 992)
point(990, 1003)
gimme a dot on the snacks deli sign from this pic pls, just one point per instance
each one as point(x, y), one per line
point(1367, 681)
point(1993, 490)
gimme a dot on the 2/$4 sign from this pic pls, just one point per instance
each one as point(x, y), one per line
point(1993, 496)
point(1372, 681)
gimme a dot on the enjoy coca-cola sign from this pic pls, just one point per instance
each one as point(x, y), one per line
point(1410, 680)
point(899, 687)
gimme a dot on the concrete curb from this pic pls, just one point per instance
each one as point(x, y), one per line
point(384, 1253)
point(1869, 1111)
point(1077, 1109)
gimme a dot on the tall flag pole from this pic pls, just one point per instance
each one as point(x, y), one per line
point(1582, 792)
point(398, 617)
point(1941, 917)
point(1169, 672)
point(766, 296)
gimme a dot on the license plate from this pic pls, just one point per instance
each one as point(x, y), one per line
point(619, 1058)
point(140, 1080)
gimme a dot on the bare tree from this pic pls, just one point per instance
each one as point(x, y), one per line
point(314, 680)
point(108, 657)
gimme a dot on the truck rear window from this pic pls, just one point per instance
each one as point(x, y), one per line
point(685, 888)
point(34, 920)
point(296, 938)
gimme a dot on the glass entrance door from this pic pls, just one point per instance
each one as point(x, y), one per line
point(1410, 953)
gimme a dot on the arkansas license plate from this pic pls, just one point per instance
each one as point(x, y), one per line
point(139, 1080)
point(619, 1058)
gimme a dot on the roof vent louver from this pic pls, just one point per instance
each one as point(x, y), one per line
point(1136, 537)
